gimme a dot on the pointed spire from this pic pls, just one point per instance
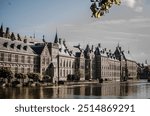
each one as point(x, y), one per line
point(1, 31)
point(56, 38)
point(1, 27)
point(34, 35)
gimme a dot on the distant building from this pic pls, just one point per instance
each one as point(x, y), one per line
point(62, 62)
point(128, 66)
point(107, 65)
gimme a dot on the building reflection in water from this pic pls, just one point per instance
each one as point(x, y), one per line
point(105, 90)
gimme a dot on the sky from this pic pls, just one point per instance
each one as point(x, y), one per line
point(127, 24)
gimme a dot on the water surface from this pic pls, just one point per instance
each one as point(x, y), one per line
point(126, 90)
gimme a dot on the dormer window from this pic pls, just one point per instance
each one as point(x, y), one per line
point(19, 47)
point(25, 48)
point(5, 44)
point(65, 50)
point(12, 45)
point(60, 49)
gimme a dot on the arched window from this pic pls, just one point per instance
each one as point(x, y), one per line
point(64, 64)
point(70, 64)
point(61, 63)
point(28, 59)
point(22, 59)
point(43, 61)
point(67, 63)
point(16, 58)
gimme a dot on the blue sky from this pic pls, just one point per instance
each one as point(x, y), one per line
point(128, 24)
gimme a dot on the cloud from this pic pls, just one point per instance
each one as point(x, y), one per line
point(136, 5)
point(139, 9)
point(130, 3)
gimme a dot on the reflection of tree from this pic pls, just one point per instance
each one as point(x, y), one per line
point(47, 92)
point(124, 89)
point(139, 72)
point(146, 72)
point(96, 90)
point(76, 91)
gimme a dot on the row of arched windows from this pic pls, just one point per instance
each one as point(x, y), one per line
point(67, 63)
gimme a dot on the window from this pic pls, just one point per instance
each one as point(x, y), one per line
point(43, 61)
point(67, 64)
point(73, 65)
point(28, 70)
point(64, 73)
point(16, 58)
point(46, 52)
point(2, 57)
point(35, 60)
point(16, 69)
point(64, 64)
point(9, 57)
point(70, 64)
point(28, 59)
point(60, 72)
point(43, 71)
point(22, 59)
point(47, 61)
point(22, 70)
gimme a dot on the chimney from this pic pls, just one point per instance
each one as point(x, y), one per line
point(120, 48)
point(64, 42)
point(128, 52)
point(92, 49)
point(99, 45)
point(60, 40)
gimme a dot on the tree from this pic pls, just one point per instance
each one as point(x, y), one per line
point(6, 74)
point(146, 72)
point(34, 76)
point(20, 76)
point(100, 7)
point(47, 79)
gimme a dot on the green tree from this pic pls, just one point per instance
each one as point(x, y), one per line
point(20, 77)
point(6, 74)
point(34, 76)
point(47, 79)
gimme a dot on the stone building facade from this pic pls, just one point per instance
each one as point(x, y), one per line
point(107, 65)
point(58, 60)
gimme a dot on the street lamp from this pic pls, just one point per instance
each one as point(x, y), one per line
point(100, 7)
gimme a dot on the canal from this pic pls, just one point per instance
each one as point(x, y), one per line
point(116, 90)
